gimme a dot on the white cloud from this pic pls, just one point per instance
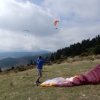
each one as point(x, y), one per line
point(76, 9)
point(78, 20)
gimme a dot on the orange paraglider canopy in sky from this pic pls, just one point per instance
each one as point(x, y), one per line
point(55, 22)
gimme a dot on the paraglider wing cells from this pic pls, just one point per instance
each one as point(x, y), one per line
point(55, 22)
point(25, 30)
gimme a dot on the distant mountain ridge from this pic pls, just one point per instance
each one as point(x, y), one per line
point(20, 54)
point(20, 58)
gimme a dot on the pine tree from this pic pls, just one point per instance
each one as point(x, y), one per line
point(0, 70)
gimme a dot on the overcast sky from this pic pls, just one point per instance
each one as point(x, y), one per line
point(78, 20)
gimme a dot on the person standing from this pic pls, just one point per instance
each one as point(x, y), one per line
point(39, 66)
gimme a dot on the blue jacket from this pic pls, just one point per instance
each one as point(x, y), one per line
point(40, 63)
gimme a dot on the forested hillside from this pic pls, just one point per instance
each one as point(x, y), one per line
point(85, 48)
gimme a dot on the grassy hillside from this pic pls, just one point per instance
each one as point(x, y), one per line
point(19, 86)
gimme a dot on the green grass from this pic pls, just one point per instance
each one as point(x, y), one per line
point(19, 86)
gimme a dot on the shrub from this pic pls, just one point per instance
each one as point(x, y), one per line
point(20, 68)
point(96, 50)
point(84, 54)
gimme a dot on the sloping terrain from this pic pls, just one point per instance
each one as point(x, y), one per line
point(19, 86)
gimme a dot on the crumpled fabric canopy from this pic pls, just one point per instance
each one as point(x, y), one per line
point(90, 77)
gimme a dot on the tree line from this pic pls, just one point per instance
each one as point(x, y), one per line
point(85, 48)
